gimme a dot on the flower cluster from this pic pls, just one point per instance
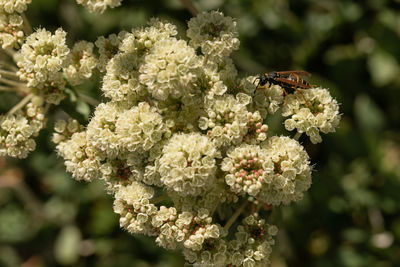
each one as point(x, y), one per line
point(311, 111)
point(188, 164)
point(227, 118)
point(182, 143)
point(18, 130)
point(11, 22)
point(99, 6)
point(41, 60)
point(214, 33)
point(170, 69)
point(81, 62)
point(250, 247)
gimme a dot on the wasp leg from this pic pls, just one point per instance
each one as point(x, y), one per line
point(285, 95)
point(305, 100)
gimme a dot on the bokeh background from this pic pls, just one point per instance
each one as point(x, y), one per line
point(350, 216)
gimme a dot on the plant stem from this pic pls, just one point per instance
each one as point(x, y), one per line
point(28, 27)
point(159, 199)
point(190, 6)
point(6, 88)
point(21, 104)
point(11, 82)
point(9, 73)
point(297, 136)
point(90, 100)
point(235, 215)
point(205, 59)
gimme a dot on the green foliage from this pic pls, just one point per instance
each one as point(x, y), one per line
point(349, 217)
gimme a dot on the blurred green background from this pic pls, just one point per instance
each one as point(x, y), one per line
point(350, 216)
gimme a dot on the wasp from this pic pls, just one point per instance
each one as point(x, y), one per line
point(289, 81)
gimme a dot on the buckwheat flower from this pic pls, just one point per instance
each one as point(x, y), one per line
point(101, 129)
point(99, 6)
point(11, 33)
point(140, 128)
point(188, 164)
point(80, 158)
point(43, 55)
point(121, 82)
point(82, 61)
point(257, 131)
point(170, 69)
point(133, 205)
point(215, 195)
point(252, 245)
point(181, 115)
point(141, 40)
point(214, 253)
point(18, 130)
point(117, 172)
point(247, 169)
point(12, 6)
point(290, 175)
point(226, 119)
point(164, 220)
point(268, 99)
point(319, 114)
point(196, 229)
point(217, 76)
point(215, 34)
point(108, 48)
point(63, 130)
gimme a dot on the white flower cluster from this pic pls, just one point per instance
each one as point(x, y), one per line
point(226, 119)
point(108, 47)
point(214, 33)
point(80, 158)
point(81, 62)
point(182, 144)
point(170, 69)
point(188, 164)
point(250, 247)
point(312, 111)
point(12, 6)
point(41, 59)
point(18, 130)
point(99, 6)
point(277, 173)
point(11, 22)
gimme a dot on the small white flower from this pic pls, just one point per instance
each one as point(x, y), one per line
point(312, 111)
point(108, 48)
point(121, 82)
point(101, 129)
point(132, 204)
point(214, 33)
point(188, 164)
point(81, 61)
point(18, 130)
point(41, 59)
point(289, 171)
point(226, 119)
point(99, 6)
point(11, 30)
point(170, 69)
point(14, 6)
point(139, 128)
point(80, 158)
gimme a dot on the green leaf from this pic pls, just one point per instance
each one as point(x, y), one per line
point(67, 245)
point(369, 116)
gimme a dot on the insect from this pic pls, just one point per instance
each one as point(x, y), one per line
point(290, 81)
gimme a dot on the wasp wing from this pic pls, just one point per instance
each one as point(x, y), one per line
point(298, 72)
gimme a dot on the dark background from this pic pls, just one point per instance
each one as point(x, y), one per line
point(349, 217)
